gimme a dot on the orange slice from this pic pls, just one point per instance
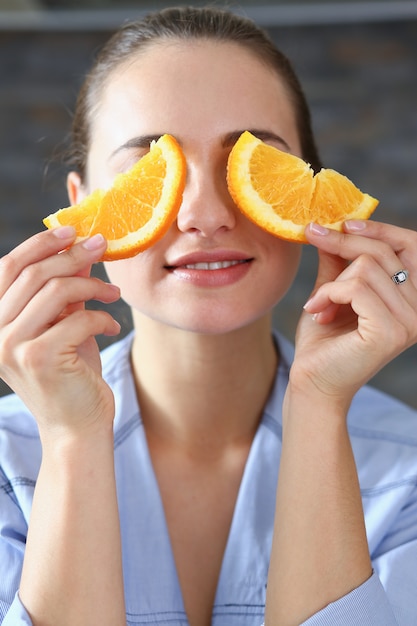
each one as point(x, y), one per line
point(280, 193)
point(138, 209)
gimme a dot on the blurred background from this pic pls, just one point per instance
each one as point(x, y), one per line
point(356, 60)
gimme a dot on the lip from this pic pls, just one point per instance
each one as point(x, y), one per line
point(211, 277)
point(212, 256)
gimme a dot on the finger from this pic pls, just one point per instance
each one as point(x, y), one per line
point(366, 274)
point(329, 268)
point(54, 301)
point(358, 295)
point(34, 249)
point(350, 247)
point(397, 237)
point(396, 296)
point(47, 352)
point(33, 277)
point(82, 325)
point(402, 240)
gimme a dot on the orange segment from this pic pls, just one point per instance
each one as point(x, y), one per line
point(138, 209)
point(279, 192)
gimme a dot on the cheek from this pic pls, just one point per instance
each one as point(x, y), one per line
point(133, 276)
point(282, 266)
point(144, 288)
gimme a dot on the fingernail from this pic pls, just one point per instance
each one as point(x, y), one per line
point(355, 225)
point(115, 330)
point(307, 304)
point(114, 288)
point(94, 243)
point(318, 229)
point(64, 232)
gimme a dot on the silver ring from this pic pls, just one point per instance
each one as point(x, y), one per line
point(400, 277)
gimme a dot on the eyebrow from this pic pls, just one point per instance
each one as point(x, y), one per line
point(141, 141)
point(144, 141)
point(264, 135)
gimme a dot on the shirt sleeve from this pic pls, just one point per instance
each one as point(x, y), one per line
point(13, 530)
point(17, 614)
point(367, 604)
point(389, 597)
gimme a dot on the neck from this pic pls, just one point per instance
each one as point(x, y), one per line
point(202, 390)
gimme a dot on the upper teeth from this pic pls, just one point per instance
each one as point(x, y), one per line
point(217, 265)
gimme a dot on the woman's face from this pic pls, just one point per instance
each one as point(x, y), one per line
point(214, 271)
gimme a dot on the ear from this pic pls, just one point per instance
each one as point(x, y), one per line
point(75, 188)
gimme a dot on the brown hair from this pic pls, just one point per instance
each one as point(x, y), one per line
point(185, 23)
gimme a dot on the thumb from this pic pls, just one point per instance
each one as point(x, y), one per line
point(329, 268)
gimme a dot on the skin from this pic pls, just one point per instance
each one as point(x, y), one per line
point(203, 330)
point(208, 222)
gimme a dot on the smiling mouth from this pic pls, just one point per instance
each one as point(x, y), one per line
point(205, 266)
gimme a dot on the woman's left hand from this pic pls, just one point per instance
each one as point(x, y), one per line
point(357, 319)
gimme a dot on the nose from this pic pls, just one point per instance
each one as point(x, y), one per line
point(207, 206)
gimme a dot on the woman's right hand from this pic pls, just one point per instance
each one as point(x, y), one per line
point(48, 353)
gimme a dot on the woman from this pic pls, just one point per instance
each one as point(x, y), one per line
point(156, 467)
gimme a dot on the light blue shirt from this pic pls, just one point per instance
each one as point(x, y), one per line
point(384, 439)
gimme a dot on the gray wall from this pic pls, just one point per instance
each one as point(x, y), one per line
point(360, 80)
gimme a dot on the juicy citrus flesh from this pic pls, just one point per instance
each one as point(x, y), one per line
point(280, 193)
point(138, 209)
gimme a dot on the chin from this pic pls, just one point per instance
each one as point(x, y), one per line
point(218, 323)
point(215, 317)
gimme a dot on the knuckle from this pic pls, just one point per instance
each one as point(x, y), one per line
point(384, 251)
point(7, 347)
point(359, 284)
point(32, 356)
point(54, 285)
point(30, 274)
point(38, 239)
point(9, 265)
point(56, 288)
point(364, 263)
point(342, 242)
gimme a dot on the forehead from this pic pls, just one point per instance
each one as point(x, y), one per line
point(189, 87)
